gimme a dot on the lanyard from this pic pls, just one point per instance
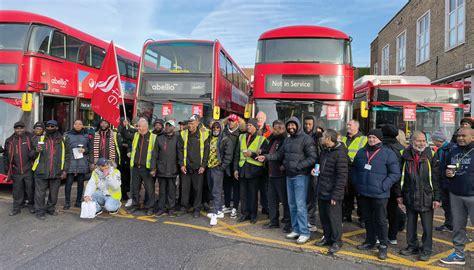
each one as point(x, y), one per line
point(458, 164)
point(369, 158)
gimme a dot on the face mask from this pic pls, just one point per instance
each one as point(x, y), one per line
point(50, 131)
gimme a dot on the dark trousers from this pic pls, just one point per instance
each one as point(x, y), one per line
point(22, 189)
point(206, 189)
point(446, 204)
point(262, 189)
point(277, 193)
point(80, 187)
point(125, 177)
point(41, 186)
point(374, 214)
point(426, 223)
point(394, 219)
point(167, 193)
point(215, 178)
point(248, 196)
point(192, 181)
point(348, 203)
point(142, 175)
point(231, 192)
point(331, 216)
point(311, 200)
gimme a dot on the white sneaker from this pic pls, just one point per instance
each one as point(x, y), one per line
point(129, 203)
point(292, 235)
point(210, 215)
point(312, 228)
point(213, 221)
point(233, 214)
point(226, 210)
point(302, 239)
point(393, 242)
point(220, 214)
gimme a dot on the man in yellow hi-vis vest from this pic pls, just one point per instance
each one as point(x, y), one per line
point(193, 154)
point(354, 141)
point(48, 168)
point(140, 164)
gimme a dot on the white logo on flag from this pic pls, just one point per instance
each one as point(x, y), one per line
point(107, 85)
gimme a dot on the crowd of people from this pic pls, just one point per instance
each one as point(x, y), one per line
point(225, 164)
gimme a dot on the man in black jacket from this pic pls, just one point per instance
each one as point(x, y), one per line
point(48, 168)
point(164, 165)
point(334, 168)
point(221, 152)
point(277, 181)
point(299, 156)
point(232, 185)
point(18, 158)
point(421, 194)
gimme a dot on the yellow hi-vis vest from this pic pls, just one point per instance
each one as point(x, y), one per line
point(37, 160)
point(203, 135)
point(357, 144)
point(151, 145)
point(402, 180)
point(114, 193)
point(254, 147)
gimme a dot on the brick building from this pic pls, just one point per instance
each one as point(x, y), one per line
point(433, 38)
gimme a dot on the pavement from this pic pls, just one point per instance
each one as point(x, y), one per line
point(138, 241)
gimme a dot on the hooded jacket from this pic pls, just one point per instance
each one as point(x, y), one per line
point(72, 140)
point(233, 136)
point(165, 155)
point(50, 159)
point(105, 184)
point(462, 184)
point(19, 154)
point(225, 149)
point(417, 190)
point(298, 153)
point(316, 137)
point(275, 167)
point(334, 169)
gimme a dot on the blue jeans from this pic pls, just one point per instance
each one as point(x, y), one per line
point(297, 188)
point(110, 204)
point(215, 179)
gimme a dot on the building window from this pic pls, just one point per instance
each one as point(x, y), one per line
point(455, 23)
point(376, 68)
point(401, 52)
point(385, 60)
point(423, 38)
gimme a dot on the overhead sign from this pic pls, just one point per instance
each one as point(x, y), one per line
point(332, 112)
point(409, 113)
point(291, 84)
point(166, 109)
point(175, 87)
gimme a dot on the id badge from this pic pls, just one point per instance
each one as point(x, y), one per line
point(368, 167)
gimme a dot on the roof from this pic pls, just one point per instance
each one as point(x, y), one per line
point(28, 17)
point(304, 31)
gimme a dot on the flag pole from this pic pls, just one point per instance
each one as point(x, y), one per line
point(119, 84)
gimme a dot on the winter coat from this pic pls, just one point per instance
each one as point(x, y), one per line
point(298, 152)
point(234, 137)
point(248, 170)
point(334, 169)
point(462, 184)
point(397, 148)
point(384, 172)
point(225, 150)
point(72, 140)
point(19, 154)
point(50, 159)
point(165, 156)
point(417, 190)
point(275, 167)
point(441, 155)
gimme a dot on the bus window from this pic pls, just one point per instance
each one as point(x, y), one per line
point(73, 47)
point(12, 36)
point(98, 56)
point(132, 70)
point(58, 48)
point(39, 40)
point(229, 70)
point(122, 67)
point(222, 64)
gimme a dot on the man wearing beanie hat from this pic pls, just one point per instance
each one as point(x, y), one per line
point(376, 169)
point(248, 170)
point(466, 122)
point(106, 143)
point(38, 129)
point(396, 217)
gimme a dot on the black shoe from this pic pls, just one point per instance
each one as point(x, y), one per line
point(362, 224)
point(409, 251)
point(196, 214)
point(323, 243)
point(14, 212)
point(132, 210)
point(67, 206)
point(424, 257)
point(347, 219)
point(52, 213)
point(253, 220)
point(265, 212)
point(160, 213)
point(205, 207)
point(382, 255)
point(270, 226)
point(31, 208)
point(366, 246)
point(243, 218)
point(171, 213)
point(287, 228)
point(149, 212)
point(334, 248)
point(40, 216)
point(444, 228)
point(78, 204)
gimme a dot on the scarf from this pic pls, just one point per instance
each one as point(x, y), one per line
point(100, 144)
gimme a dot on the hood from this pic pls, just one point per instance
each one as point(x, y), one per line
point(313, 131)
point(297, 122)
point(219, 124)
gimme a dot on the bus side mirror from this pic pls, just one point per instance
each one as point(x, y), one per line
point(364, 109)
point(248, 111)
point(216, 113)
point(26, 102)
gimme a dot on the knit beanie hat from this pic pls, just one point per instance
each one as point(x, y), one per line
point(377, 133)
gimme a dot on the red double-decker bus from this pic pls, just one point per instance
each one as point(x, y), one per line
point(185, 77)
point(304, 71)
point(58, 66)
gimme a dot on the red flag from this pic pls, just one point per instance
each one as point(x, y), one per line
point(106, 96)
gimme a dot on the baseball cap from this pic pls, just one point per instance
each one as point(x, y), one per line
point(101, 162)
point(233, 118)
point(52, 123)
point(171, 122)
point(194, 117)
point(18, 124)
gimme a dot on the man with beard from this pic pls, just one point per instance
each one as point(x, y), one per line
point(298, 154)
point(106, 143)
point(18, 158)
point(48, 168)
point(158, 127)
point(231, 185)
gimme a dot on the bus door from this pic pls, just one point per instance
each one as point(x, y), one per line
point(59, 109)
